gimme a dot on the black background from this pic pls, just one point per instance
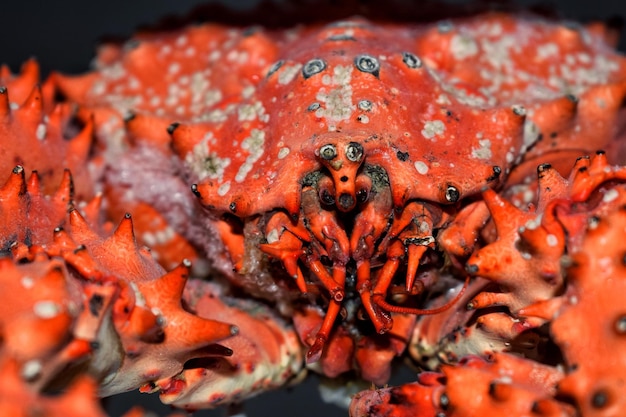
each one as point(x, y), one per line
point(63, 35)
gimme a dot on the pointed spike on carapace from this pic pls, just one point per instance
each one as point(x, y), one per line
point(33, 185)
point(80, 227)
point(184, 138)
point(48, 91)
point(5, 106)
point(65, 192)
point(144, 128)
point(124, 234)
point(33, 106)
point(57, 116)
point(211, 331)
point(551, 185)
point(5, 72)
point(74, 87)
point(173, 283)
point(91, 210)
point(81, 143)
point(580, 172)
point(15, 184)
point(501, 210)
point(556, 115)
point(30, 71)
point(544, 309)
point(581, 168)
point(598, 162)
point(27, 78)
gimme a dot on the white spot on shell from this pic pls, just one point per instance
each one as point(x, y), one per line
point(41, 131)
point(223, 189)
point(337, 102)
point(288, 73)
point(421, 167)
point(463, 46)
point(483, 151)
point(254, 144)
point(432, 128)
point(610, 195)
point(206, 164)
point(46, 309)
point(27, 282)
point(283, 152)
point(174, 68)
point(552, 240)
point(31, 369)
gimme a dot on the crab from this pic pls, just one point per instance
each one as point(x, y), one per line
point(364, 184)
point(379, 140)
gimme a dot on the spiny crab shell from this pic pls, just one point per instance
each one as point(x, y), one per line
point(345, 178)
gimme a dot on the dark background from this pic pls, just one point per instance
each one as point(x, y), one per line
point(63, 35)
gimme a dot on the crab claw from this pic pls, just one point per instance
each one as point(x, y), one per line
point(288, 249)
point(315, 351)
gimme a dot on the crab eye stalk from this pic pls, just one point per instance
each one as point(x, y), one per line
point(328, 152)
point(354, 152)
point(452, 194)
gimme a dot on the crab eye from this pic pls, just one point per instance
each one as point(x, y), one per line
point(328, 152)
point(354, 152)
point(452, 194)
point(327, 198)
point(313, 67)
point(362, 195)
point(275, 67)
point(411, 60)
point(367, 63)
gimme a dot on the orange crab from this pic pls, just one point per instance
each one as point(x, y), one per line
point(373, 183)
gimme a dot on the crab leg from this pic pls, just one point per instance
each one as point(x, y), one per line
point(316, 349)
